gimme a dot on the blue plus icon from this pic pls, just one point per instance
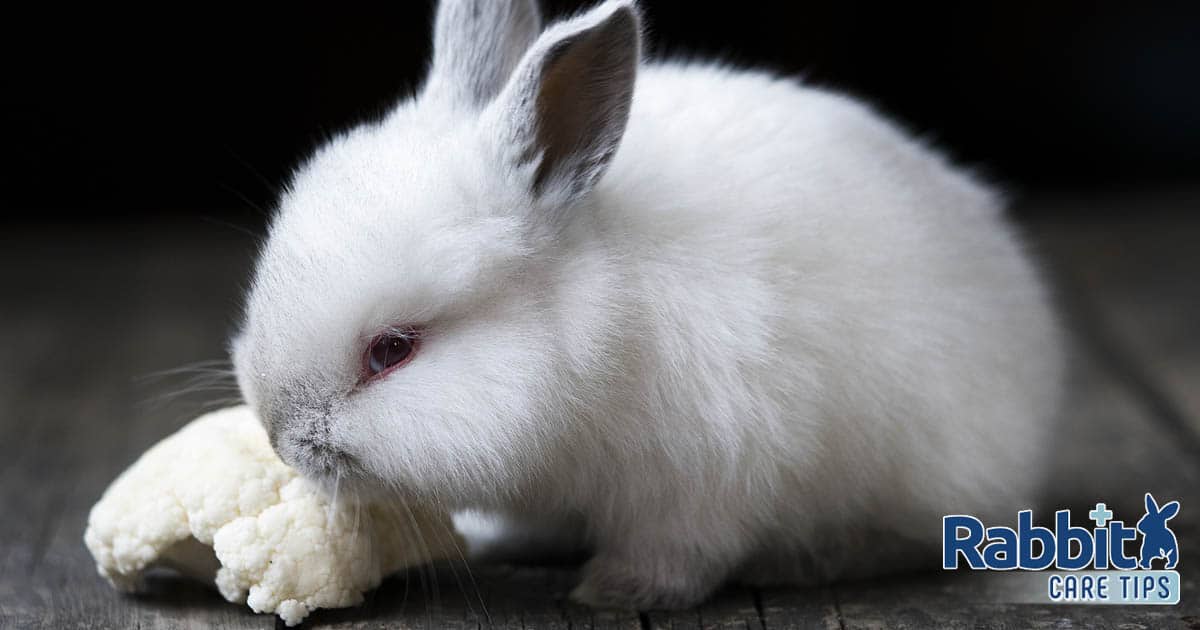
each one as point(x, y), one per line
point(1101, 515)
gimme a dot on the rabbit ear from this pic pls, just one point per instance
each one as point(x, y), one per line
point(1151, 505)
point(1169, 510)
point(564, 110)
point(476, 45)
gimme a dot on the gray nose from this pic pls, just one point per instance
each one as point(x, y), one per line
point(298, 409)
point(297, 422)
point(315, 459)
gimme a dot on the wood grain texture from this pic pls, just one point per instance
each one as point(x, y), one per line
point(88, 314)
point(1138, 274)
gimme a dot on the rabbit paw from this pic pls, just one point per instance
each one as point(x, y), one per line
point(642, 584)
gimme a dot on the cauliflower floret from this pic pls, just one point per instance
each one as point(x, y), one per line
point(214, 502)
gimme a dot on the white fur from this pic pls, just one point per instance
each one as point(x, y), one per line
point(778, 339)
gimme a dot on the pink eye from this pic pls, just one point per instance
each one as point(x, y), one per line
point(389, 351)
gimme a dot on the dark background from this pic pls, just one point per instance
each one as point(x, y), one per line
point(203, 109)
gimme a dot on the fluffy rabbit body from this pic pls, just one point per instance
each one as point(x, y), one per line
point(719, 324)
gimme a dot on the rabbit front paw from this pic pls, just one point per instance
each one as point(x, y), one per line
point(646, 582)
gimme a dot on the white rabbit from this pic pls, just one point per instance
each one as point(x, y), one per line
point(725, 325)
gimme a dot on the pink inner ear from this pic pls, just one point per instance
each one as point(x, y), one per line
point(584, 89)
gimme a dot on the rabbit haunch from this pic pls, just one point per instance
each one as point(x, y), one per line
point(706, 323)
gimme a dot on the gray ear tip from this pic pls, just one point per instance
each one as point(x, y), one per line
point(625, 18)
point(629, 12)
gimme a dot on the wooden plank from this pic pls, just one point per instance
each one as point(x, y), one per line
point(421, 597)
point(452, 596)
point(53, 443)
point(88, 427)
point(733, 607)
point(799, 609)
point(524, 597)
point(155, 298)
point(1137, 271)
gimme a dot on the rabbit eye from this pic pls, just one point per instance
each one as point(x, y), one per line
point(389, 351)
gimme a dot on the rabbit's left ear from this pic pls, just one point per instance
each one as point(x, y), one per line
point(1169, 510)
point(1151, 505)
point(476, 45)
point(562, 115)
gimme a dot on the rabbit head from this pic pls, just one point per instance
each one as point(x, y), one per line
point(412, 319)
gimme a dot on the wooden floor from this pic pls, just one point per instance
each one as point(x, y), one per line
point(86, 314)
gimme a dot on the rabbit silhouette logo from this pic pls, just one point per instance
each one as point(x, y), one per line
point(1158, 541)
